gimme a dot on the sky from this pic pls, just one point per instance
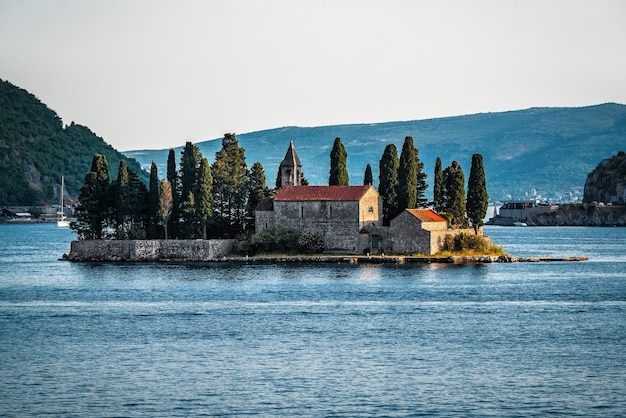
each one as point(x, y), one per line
point(153, 74)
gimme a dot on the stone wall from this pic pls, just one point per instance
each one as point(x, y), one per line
point(150, 250)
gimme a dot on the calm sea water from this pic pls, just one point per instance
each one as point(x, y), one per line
point(526, 339)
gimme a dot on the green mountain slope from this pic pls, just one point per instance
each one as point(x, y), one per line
point(36, 150)
point(548, 149)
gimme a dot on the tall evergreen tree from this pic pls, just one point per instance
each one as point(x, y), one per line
point(138, 206)
point(338, 160)
point(172, 177)
point(229, 186)
point(154, 207)
point(455, 194)
point(407, 176)
point(388, 182)
point(95, 207)
point(189, 168)
point(204, 202)
point(257, 192)
point(368, 180)
point(165, 204)
point(438, 187)
point(121, 201)
point(188, 217)
point(422, 201)
point(477, 197)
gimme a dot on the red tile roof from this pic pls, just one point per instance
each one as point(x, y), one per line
point(426, 215)
point(321, 193)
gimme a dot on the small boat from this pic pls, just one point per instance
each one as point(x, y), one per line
point(62, 222)
point(518, 223)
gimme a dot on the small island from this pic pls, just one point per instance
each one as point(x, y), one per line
point(120, 221)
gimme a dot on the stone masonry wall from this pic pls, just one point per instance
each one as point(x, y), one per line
point(150, 250)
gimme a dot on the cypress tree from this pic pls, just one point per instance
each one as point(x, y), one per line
point(137, 206)
point(407, 176)
point(204, 201)
point(438, 197)
point(455, 194)
point(121, 200)
point(388, 182)
point(368, 180)
point(257, 191)
point(189, 168)
point(95, 206)
point(421, 184)
point(172, 177)
point(477, 197)
point(188, 216)
point(338, 159)
point(153, 203)
point(165, 204)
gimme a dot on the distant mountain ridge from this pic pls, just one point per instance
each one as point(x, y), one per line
point(548, 149)
point(36, 150)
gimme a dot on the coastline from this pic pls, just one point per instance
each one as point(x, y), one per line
point(222, 251)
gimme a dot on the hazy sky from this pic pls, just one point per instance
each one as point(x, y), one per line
point(154, 74)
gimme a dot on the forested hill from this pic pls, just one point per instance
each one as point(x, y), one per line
point(548, 149)
point(36, 150)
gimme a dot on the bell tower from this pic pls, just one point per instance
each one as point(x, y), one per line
point(290, 168)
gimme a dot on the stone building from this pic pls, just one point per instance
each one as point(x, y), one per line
point(338, 213)
point(420, 231)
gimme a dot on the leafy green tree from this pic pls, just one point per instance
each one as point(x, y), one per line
point(388, 182)
point(165, 204)
point(172, 178)
point(257, 192)
point(438, 187)
point(338, 160)
point(368, 180)
point(154, 207)
point(189, 218)
point(477, 197)
point(230, 173)
point(95, 206)
point(121, 201)
point(204, 203)
point(407, 176)
point(455, 194)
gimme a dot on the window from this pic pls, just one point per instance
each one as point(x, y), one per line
point(370, 209)
point(302, 212)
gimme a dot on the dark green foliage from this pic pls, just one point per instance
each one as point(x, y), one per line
point(454, 186)
point(230, 174)
point(283, 240)
point(36, 150)
point(188, 226)
point(338, 161)
point(189, 165)
point(477, 197)
point(154, 204)
point(121, 200)
point(204, 202)
point(422, 201)
point(257, 191)
point(438, 187)
point(605, 182)
point(368, 180)
point(388, 182)
point(172, 177)
point(95, 205)
point(407, 176)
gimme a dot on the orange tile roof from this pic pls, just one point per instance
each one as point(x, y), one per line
point(426, 215)
point(321, 193)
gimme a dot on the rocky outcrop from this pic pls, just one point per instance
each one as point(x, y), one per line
point(582, 215)
point(606, 183)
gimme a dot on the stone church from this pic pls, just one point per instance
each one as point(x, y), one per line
point(349, 218)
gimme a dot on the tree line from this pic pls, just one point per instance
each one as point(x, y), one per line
point(202, 200)
point(402, 184)
point(195, 200)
